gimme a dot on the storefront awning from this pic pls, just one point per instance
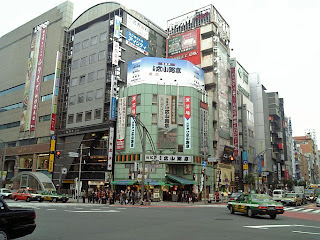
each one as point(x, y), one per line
point(155, 183)
point(124, 182)
point(179, 180)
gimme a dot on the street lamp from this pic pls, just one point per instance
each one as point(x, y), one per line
point(3, 159)
point(256, 165)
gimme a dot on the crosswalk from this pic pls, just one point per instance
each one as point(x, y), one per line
point(302, 209)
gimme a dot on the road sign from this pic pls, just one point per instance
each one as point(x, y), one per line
point(73, 154)
point(212, 159)
point(64, 170)
point(265, 174)
point(204, 163)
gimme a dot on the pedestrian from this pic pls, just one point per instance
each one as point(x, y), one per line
point(89, 196)
point(93, 196)
point(84, 195)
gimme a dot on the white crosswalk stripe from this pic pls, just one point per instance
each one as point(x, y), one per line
point(307, 210)
point(316, 211)
point(296, 209)
point(301, 209)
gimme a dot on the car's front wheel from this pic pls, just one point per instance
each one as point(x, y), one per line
point(3, 235)
point(28, 199)
point(273, 216)
point(250, 213)
point(15, 198)
point(231, 209)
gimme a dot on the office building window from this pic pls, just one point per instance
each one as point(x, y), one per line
point(154, 118)
point(45, 118)
point(180, 119)
point(74, 82)
point(99, 93)
point(72, 100)
point(46, 97)
point(154, 99)
point(91, 76)
point(48, 77)
point(94, 40)
point(100, 74)
point(102, 55)
point(89, 96)
point(10, 125)
point(88, 116)
point(77, 47)
point(13, 89)
point(10, 107)
point(97, 113)
point(85, 44)
point(70, 118)
point(75, 64)
point(103, 37)
point(81, 98)
point(79, 117)
point(83, 61)
point(82, 80)
point(92, 58)
point(138, 99)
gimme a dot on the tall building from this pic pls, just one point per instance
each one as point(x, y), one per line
point(98, 46)
point(202, 37)
point(242, 122)
point(168, 97)
point(29, 60)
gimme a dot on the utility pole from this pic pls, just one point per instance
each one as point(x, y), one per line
point(79, 179)
point(60, 180)
point(143, 161)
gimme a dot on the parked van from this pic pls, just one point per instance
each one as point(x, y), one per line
point(278, 194)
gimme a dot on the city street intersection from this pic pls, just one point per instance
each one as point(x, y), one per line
point(167, 221)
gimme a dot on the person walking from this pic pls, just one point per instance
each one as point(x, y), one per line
point(84, 195)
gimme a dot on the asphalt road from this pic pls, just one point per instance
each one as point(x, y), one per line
point(84, 221)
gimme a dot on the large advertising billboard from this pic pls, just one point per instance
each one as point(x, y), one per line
point(138, 27)
point(185, 46)
point(55, 91)
point(204, 127)
point(167, 129)
point(37, 43)
point(137, 42)
point(187, 122)
point(162, 71)
point(234, 107)
point(121, 124)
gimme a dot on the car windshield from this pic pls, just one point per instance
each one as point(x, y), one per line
point(277, 192)
point(261, 197)
point(290, 195)
point(31, 191)
point(235, 195)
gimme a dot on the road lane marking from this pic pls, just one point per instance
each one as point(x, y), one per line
point(316, 211)
point(51, 209)
point(312, 233)
point(288, 208)
point(307, 210)
point(121, 208)
point(296, 209)
point(105, 207)
point(97, 209)
point(88, 211)
point(78, 208)
point(268, 226)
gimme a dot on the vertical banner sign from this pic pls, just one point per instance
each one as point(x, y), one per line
point(259, 164)
point(52, 149)
point(245, 162)
point(113, 98)
point(187, 122)
point(173, 109)
point(204, 125)
point(116, 30)
point(115, 53)
point(110, 149)
point(121, 124)
point(279, 171)
point(38, 80)
point(55, 92)
point(234, 106)
point(133, 124)
point(167, 131)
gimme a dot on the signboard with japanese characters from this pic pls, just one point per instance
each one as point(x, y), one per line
point(138, 27)
point(185, 46)
point(137, 43)
point(55, 92)
point(133, 123)
point(169, 158)
point(187, 122)
point(162, 71)
point(234, 108)
point(115, 53)
point(121, 124)
point(204, 127)
point(167, 130)
point(110, 149)
point(113, 98)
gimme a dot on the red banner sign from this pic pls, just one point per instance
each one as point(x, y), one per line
point(187, 107)
point(38, 80)
point(134, 105)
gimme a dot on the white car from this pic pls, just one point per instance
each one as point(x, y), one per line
point(318, 202)
point(5, 193)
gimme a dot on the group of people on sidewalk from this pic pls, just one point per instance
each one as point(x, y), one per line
point(185, 196)
point(110, 196)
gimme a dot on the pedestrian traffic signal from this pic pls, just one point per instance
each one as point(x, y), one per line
point(58, 153)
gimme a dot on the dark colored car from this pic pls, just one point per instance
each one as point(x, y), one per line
point(16, 222)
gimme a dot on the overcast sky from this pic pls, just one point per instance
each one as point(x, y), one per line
point(280, 39)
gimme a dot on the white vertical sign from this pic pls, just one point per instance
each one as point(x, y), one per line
point(110, 149)
point(115, 53)
point(121, 124)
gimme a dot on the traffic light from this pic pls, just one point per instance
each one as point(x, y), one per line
point(58, 153)
point(231, 158)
